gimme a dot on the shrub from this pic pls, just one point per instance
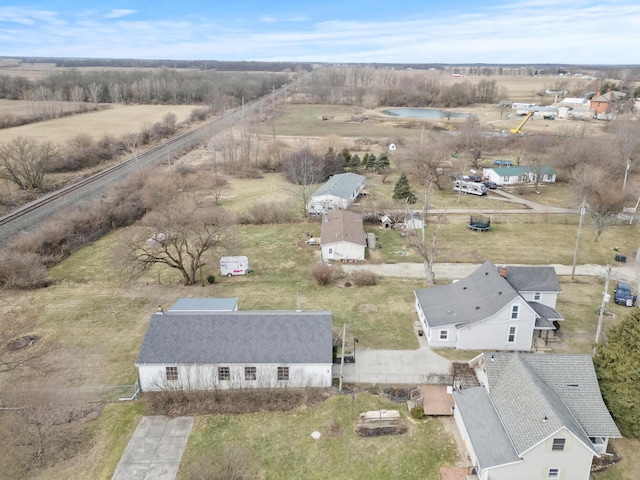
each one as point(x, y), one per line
point(322, 274)
point(417, 412)
point(211, 279)
point(364, 278)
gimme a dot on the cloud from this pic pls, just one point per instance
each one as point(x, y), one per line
point(120, 12)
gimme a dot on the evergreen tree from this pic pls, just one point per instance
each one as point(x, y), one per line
point(402, 190)
point(618, 368)
point(370, 161)
point(355, 162)
point(382, 163)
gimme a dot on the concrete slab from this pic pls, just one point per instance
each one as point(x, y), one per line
point(155, 449)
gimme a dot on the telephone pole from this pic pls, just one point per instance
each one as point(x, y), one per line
point(344, 332)
point(575, 252)
point(605, 294)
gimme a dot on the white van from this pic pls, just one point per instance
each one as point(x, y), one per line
point(238, 265)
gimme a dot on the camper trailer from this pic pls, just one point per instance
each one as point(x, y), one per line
point(466, 186)
point(238, 265)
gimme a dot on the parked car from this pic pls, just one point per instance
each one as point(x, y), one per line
point(502, 163)
point(623, 295)
point(490, 184)
point(475, 178)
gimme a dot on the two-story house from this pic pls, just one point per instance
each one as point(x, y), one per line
point(491, 309)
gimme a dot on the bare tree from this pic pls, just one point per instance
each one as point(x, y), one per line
point(179, 238)
point(420, 241)
point(25, 161)
point(303, 168)
point(94, 90)
point(604, 197)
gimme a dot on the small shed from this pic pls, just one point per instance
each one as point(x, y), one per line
point(386, 221)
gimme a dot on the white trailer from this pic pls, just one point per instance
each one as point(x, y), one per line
point(466, 186)
point(237, 265)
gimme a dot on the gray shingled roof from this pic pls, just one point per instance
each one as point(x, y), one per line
point(537, 395)
point(533, 279)
point(239, 337)
point(472, 299)
point(342, 226)
point(341, 185)
point(486, 432)
point(195, 305)
point(545, 311)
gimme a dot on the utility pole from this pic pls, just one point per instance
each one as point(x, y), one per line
point(344, 332)
point(575, 252)
point(605, 294)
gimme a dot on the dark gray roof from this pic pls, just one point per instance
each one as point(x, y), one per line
point(472, 299)
point(533, 279)
point(341, 185)
point(486, 432)
point(546, 312)
point(537, 395)
point(195, 305)
point(239, 337)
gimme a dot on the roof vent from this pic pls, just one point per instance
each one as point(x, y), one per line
point(477, 307)
point(500, 293)
point(464, 288)
point(545, 419)
point(573, 385)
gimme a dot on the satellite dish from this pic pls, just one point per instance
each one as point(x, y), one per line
point(315, 435)
point(392, 147)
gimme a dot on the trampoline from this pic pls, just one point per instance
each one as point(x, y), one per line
point(479, 223)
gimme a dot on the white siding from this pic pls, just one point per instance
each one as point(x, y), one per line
point(493, 333)
point(343, 251)
point(574, 462)
point(546, 298)
point(205, 376)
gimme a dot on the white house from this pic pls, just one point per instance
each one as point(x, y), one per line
point(491, 309)
point(342, 236)
point(519, 174)
point(339, 192)
point(533, 417)
point(237, 349)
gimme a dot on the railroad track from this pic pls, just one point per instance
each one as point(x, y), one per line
point(32, 214)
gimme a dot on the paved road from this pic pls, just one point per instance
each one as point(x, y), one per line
point(155, 449)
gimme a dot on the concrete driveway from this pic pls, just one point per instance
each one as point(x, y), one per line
point(155, 449)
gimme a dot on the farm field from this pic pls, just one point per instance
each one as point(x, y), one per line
point(95, 318)
point(117, 120)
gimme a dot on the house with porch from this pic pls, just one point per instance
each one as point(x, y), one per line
point(533, 417)
point(494, 308)
point(338, 193)
point(236, 349)
point(519, 174)
point(342, 236)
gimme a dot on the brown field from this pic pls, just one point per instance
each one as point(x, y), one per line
point(117, 120)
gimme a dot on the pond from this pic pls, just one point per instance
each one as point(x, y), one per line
point(424, 113)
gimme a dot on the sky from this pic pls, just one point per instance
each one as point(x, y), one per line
point(335, 31)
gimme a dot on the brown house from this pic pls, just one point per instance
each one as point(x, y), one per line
point(603, 105)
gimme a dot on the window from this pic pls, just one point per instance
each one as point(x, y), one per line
point(536, 296)
point(444, 334)
point(558, 444)
point(514, 312)
point(512, 334)
point(172, 373)
point(331, 250)
point(554, 473)
point(250, 373)
point(224, 374)
point(283, 374)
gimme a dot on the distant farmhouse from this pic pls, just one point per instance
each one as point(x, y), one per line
point(342, 236)
point(338, 193)
point(491, 309)
point(236, 349)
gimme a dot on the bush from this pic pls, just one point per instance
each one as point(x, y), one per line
point(417, 412)
point(322, 274)
point(211, 279)
point(270, 213)
point(364, 278)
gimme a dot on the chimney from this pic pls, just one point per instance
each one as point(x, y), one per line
point(503, 271)
point(598, 93)
point(160, 310)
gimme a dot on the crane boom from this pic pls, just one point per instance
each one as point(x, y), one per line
point(519, 127)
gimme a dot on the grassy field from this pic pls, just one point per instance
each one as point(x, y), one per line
point(117, 120)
